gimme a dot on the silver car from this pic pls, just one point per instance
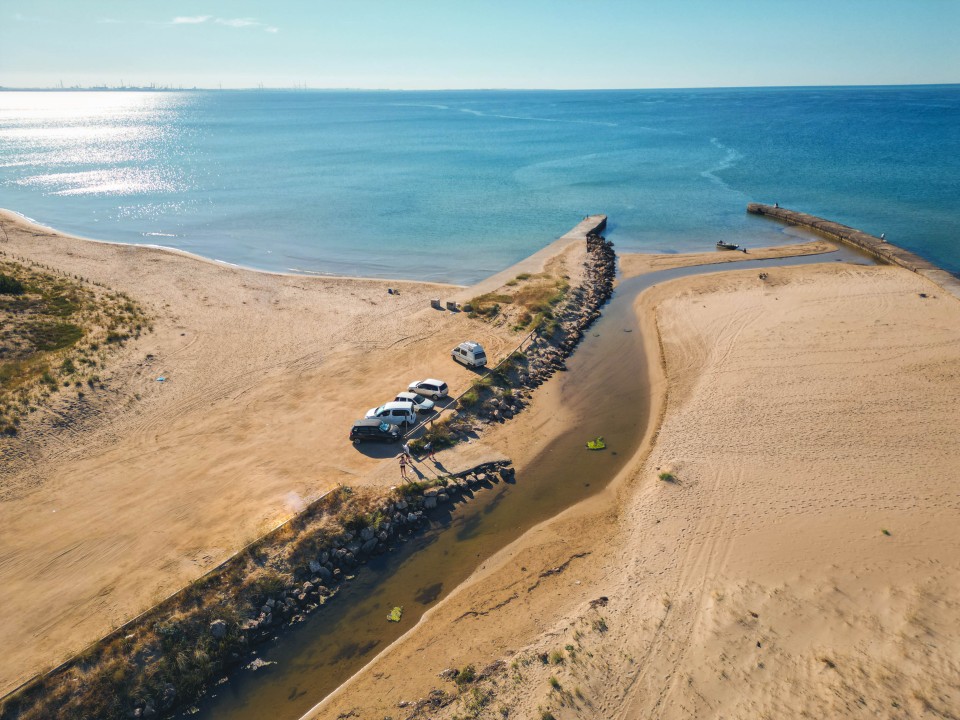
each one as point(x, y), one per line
point(420, 403)
point(431, 388)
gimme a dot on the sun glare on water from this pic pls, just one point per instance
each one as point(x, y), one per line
point(89, 143)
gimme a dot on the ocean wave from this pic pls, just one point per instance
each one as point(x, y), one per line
point(537, 119)
point(421, 105)
point(730, 158)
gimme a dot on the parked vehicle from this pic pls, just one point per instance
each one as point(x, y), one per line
point(470, 354)
point(431, 388)
point(420, 403)
point(396, 413)
point(374, 429)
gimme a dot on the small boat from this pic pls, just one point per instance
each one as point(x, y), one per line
point(721, 245)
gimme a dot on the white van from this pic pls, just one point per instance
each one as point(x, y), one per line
point(395, 413)
point(470, 354)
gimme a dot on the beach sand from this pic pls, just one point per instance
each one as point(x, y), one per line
point(802, 562)
point(802, 416)
point(111, 508)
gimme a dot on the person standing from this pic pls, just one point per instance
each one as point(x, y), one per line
point(429, 448)
point(403, 466)
point(406, 450)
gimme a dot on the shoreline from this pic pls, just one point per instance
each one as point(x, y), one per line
point(581, 308)
point(18, 218)
point(489, 567)
point(877, 246)
point(192, 299)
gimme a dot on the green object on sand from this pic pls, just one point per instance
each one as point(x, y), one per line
point(395, 614)
point(597, 444)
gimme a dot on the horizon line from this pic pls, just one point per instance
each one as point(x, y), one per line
point(295, 88)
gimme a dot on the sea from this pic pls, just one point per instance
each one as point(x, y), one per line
point(452, 186)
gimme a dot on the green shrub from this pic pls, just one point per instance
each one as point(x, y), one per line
point(46, 336)
point(477, 701)
point(465, 675)
point(488, 305)
point(469, 398)
point(440, 434)
point(413, 488)
point(10, 286)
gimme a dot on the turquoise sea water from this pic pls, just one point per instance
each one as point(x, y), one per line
point(455, 185)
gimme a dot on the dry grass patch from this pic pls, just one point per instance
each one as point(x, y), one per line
point(527, 301)
point(56, 332)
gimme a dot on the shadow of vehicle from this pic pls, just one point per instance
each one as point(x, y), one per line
point(378, 450)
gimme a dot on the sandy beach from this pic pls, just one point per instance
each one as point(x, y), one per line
point(108, 510)
point(799, 558)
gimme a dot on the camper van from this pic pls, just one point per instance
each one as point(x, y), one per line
point(470, 354)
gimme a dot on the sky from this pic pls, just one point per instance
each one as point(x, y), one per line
point(438, 44)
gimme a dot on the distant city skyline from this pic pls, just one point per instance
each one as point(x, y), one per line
point(428, 44)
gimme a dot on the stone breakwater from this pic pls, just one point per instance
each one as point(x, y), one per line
point(552, 345)
point(878, 247)
point(164, 661)
point(580, 309)
point(393, 522)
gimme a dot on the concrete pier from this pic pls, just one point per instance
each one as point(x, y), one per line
point(888, 252)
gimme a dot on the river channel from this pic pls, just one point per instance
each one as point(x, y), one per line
point(605, 386)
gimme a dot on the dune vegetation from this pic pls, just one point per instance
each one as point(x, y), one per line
point(56, 333)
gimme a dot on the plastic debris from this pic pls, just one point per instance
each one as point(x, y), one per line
point(597, 444)
point(161, 379)
point(395, 614)
point(259, 663)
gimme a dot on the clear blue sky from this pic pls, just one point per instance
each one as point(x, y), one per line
point(416, 44)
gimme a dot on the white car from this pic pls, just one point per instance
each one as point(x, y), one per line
point(395, 413)
point(420, 403)
point(431, 387)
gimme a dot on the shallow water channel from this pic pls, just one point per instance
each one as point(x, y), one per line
point(606, 387)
